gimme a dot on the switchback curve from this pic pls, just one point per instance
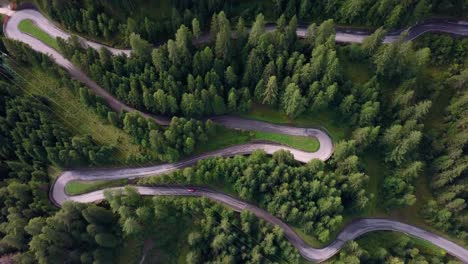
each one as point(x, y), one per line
point(352, 231)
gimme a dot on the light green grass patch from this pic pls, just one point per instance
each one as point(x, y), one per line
point(328, 120)
point(28, 27)
point(309, 144)
point(225, 137)
point(80, 187)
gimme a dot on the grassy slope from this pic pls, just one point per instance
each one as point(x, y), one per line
point(75, 116)
point(27, 26)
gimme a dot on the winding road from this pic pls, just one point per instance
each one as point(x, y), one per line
point(350, 232)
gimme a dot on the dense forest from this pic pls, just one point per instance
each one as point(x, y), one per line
point(449, 163)
point(156, 20)
point(312, 197)
point(31, 141)
point(181, 79)
point(297, 76)
point(402, 250)
point(218, 234)
point(410, 114)
point(278, 70)
point(177, 140)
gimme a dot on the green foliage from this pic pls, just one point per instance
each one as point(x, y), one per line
point(389, 247)
point(293, 103)
point(445, 49)
point(400, 59)
point(402, 142)
point(182, 79)
point(77, 233)
point(179, 139)
point(90, 17)
point(372, 43)
point(280, 186)
point(156, 20)
point(218, 234)
point(450, 165)
point(139, 46)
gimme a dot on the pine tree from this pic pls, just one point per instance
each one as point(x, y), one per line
point(293, 102)
point(371, 44)
point(258, 28)
point(140, 46)
point(196, 32)
point(232, 100)
point(270, 95)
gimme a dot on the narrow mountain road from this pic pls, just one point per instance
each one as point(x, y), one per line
point(352, 231)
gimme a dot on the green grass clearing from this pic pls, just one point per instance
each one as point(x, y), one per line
point(75, 116)
point(328, 120)
point(27, 26)
point(225, 137)
point(309, 144)
point(80, 187)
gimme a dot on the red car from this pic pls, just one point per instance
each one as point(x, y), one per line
point(191, 190)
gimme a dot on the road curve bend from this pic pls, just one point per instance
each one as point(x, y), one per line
point(352, 231)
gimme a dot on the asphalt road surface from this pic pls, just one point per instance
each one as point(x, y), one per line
point(352, 231)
